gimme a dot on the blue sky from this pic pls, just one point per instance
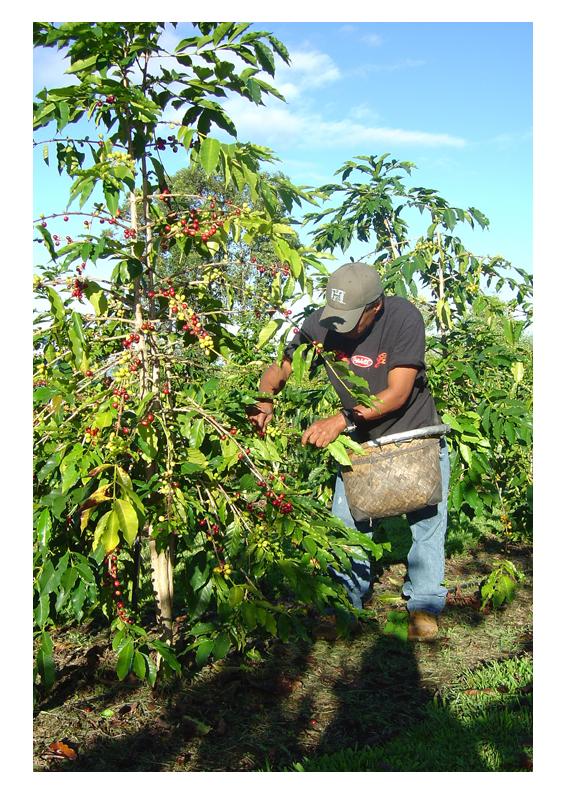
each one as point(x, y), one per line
point(454, 98)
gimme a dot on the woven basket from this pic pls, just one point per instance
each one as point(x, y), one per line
point(393, 479)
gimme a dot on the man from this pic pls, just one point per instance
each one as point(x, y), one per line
point(383, 340)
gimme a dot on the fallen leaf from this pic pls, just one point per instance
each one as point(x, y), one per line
point(107, 713)
point(63, 750)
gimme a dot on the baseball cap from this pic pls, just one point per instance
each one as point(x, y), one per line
point(350, 288)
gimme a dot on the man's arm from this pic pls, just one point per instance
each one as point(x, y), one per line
point(272, 381)
point(399, 385)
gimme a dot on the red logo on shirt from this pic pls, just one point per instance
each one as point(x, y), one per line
point(381, 359)
point(361, 361)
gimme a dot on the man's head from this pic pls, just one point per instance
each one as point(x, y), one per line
point(354, 296)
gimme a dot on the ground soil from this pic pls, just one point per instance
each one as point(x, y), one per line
point(301, 699)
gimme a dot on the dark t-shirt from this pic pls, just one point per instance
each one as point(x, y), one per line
point(396, 338)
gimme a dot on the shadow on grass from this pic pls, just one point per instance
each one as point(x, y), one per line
point(305, 699)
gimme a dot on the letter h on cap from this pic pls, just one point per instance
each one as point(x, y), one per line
point(337, 295)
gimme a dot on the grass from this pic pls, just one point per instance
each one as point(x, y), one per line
point(482, 723)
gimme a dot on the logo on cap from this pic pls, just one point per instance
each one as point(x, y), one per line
point(337, 295)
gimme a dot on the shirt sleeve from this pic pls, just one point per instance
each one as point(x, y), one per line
point(409, 348)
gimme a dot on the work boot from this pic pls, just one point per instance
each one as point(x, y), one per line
point(422, 626)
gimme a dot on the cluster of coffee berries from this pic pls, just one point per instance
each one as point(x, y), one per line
point(114, 584)
point(206, 342)
point(80, 268)
point(131, 340)
point(213, 531)
point(148, 420)
point(162, 143)
point(110, 99)
point(223, 569)
point(92, 433)
point(130, 233)
point(147, 326)
point(506, 522)
point(212, 275)
point(178, 305)
point(277, 499)
point(273, 269)
point(135, 365)
point(120, 393)
point(41, 373)
point(272, 430)
point(77, 289)
point(166, 389)
point(192, 226)
point(193, 326)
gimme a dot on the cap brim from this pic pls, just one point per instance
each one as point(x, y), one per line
point(340, 321)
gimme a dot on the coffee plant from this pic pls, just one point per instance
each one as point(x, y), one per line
point(148, 473)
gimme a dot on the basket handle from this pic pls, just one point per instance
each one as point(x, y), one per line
point(415, 433)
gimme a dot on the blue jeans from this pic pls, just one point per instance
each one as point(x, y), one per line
point(425, 560)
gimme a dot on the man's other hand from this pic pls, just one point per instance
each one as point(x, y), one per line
point(261, 414)
point(323, 432)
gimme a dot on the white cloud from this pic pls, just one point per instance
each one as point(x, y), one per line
point(314, 68)
point(373, 39)
point(278, 126)
point(309, 69)
point(396, 66)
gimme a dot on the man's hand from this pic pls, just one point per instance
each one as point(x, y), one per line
point(261, 414)
point(323, 432)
